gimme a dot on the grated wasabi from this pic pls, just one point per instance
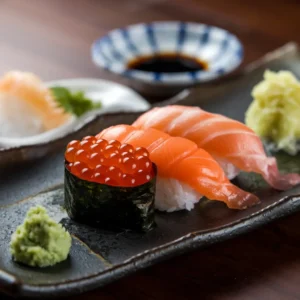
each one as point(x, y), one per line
point(40, 241)
point(274, 114)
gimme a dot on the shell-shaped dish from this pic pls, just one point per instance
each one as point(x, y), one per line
point(113, 97)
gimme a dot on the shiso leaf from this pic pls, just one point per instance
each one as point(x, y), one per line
point(74, 103)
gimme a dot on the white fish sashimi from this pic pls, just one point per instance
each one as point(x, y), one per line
point(18, 119)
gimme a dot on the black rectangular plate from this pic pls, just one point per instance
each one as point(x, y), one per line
point(98, 257)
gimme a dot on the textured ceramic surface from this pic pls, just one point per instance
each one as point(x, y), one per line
point(219, 48)
point(99, 256)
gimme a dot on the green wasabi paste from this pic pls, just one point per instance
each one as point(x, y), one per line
point(40, 241)
point(274, 113)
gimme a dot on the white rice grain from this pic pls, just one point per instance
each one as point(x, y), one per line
point(172, 195)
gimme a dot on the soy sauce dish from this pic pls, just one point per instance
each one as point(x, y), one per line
point(162, 58)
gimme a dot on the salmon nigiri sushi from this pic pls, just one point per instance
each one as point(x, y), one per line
point(185, 172)
point(234, 145)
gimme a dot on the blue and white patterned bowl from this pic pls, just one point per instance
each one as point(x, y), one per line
point(220, 49)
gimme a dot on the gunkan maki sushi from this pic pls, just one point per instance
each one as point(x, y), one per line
point(109, 184)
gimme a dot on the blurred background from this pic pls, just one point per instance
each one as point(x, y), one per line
point(52, 38)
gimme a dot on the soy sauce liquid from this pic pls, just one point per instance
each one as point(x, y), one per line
point(167, 63)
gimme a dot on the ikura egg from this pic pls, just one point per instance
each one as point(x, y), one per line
point(73, 144)
point(110, 181)
point(109, 162)
point(86, 173)
point(94, 159)
point(129, 165)
point(114, 143)
point(114, 173)
point(128, 180)
point(110, 149)
point(90, 138)
point(77, 167)
point(143, 163)
point(101, 169)
point(85, 145)
point(99, 177)
point(96, 148)
point(70, 153)
point(126, 148)
point(81, 155)
point(140, 151)
point(113, 159)
point(102, 143)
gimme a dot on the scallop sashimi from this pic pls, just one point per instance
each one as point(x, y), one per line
point(234, 145)
point(185, 172)
point(27, 107)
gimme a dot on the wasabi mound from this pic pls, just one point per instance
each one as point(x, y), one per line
point(40, 241)
point(274, 114)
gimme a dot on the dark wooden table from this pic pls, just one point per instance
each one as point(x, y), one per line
point(52, 38)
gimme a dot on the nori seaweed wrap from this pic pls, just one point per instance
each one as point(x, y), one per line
point(113, 207)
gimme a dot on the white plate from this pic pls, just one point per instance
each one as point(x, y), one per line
point(114, 98)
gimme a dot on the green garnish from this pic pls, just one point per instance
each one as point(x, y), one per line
point(40, 241)
point(74, 103)
point(275, 109)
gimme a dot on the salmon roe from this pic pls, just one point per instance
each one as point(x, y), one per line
point(109, 162)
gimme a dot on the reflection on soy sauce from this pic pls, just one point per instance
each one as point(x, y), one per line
point(167, 63)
